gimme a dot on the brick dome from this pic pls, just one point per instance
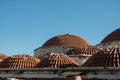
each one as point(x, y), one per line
point(56, 60)
point(107, 58)
point(2, 57)
point(115, 35)
point(86, 50)
point(66, 40)
point(20, 61)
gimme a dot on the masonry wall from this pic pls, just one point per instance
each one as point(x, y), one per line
point(109, 44)
point(79, 58)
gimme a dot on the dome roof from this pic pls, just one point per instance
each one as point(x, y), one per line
point(20, 61)
point(115, 35)
point(2, 57)
point(58, 61)
point(86, 50)
point(66, 40)
point(108, 58)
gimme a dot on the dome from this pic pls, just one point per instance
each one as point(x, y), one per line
point(115, 35)
point(57, 60)
point(107, 58)
point(2, 57)
point(66, 40)
point(20, 61)
point(86, 50)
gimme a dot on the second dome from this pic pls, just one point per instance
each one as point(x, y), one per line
point(66, 40)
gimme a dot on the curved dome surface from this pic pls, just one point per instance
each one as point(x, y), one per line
point(86, 50)
point(20, 61)
point(107, 58)
point(57, 60)
point(66, 40)
point(2, 57)
point(115, 35)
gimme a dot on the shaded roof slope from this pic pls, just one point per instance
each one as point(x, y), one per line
point(20, 61)
point(115, 35)
point(66, 40)
point(57, 60)
point(107, 58)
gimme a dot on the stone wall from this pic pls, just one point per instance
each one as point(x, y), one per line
point(42, 51)
point(109, 44)
point(80, 58)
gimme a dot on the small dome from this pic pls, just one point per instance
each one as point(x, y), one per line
point(86, 50)
point(115, 35)
point(20, 61)
point(107, 58)
point(66, 40)
point(58, 61)
point(2, 57)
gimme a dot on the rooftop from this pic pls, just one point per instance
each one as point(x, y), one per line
point(19, 61)
point(86, 50)
point(115, 35)
point(66, 40)
point(107, 58)
point(56, 60)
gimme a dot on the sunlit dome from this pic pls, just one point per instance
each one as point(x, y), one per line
point(56, 60)
point(66, 40)
point(20, 61)
point(107, 58)
point(2, 57)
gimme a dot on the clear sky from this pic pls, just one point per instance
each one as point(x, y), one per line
point(26, 24)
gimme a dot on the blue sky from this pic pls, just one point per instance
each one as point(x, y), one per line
point(26, 24)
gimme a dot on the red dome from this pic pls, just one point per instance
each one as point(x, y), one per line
point(2, 57)
point(66, 40)
point(20, 61)
point(107, 58)
point(56, 60)
point(115, 35)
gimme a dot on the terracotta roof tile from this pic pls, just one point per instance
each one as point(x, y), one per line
point(86, 50)
point(58, 61)
point(107, 58)
point(66, 40)
point(20, 61)
point(2, 57)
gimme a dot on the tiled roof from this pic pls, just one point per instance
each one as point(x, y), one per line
point(86, 50)
point(115, 35)
point(20, 61)
point(107, 58)
point(66, 40)
point(57, 60)
point(2, 57)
